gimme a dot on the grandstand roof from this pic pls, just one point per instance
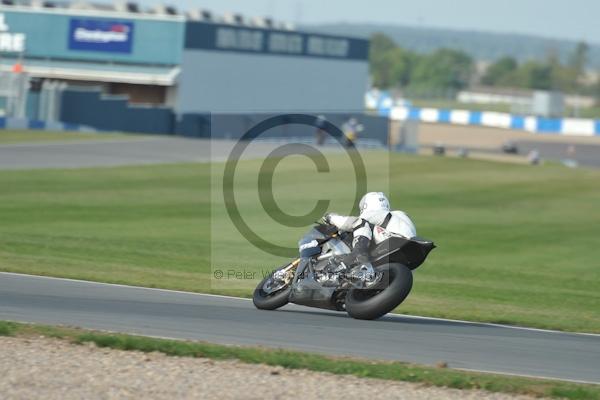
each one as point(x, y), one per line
point(97, 72)
point(133, 10)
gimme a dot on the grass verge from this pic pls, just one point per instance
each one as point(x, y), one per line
point(32, 136)
point(516, 244)
point(396, 371)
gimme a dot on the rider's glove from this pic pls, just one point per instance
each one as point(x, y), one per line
point(325, 219)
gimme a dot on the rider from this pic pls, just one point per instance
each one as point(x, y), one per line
point(375, 222)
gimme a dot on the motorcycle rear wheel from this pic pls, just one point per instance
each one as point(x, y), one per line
point(393, 287)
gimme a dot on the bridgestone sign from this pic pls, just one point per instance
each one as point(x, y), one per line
point(85, 35)
point(10, 42)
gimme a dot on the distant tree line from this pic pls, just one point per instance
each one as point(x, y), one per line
point(451, 70)
point(395, 67)
point(549, 74)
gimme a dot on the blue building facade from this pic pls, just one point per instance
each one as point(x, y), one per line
point(78, 35)
point(144, 68)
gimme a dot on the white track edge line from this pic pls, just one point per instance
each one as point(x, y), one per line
point(124, 285)
point(492, 324)
point(525, 375)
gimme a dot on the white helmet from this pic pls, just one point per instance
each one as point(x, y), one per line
point(374, 202)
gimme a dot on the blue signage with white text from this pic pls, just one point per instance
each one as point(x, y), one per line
point(101, 35)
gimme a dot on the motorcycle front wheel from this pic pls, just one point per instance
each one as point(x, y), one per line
point(392, 288)
point(267, 296)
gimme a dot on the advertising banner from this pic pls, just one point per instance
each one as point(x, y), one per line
point(101, 35)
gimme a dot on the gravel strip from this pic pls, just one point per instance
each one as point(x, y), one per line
point(55, 369)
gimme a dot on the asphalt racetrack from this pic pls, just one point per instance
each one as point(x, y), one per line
point(141, 150)
point(227, 320)
point(587, 155)
point(145, 150)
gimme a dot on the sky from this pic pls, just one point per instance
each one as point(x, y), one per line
point(564, 19)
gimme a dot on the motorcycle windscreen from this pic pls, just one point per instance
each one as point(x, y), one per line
point(310, 245)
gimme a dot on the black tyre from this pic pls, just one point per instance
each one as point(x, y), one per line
point(383, 297)
point(266, 299)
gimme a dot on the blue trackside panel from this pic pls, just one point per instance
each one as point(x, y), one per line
point(36, 124)
point(70, 127)
point(444, 116)
point(384, 104)
point(475, 118)
point(384, 112)
point(414, 113)
point(2, 123)
point(597, 127)
point(517, 122)
point(549, 125)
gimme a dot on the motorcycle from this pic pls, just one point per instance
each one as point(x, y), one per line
point(321, 278)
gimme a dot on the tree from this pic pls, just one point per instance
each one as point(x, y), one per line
point(543, 75)
point(595, 91)
point(444, 69)
point(579, 58)
point(380, 44)
point(390, 65)
point(500, 71)
point(533, 75)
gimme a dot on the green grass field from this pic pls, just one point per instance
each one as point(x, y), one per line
point(517, 244)
point(30, 136)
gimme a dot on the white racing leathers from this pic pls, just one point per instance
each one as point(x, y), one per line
point(398, 224)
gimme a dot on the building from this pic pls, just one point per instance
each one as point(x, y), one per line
point(123, 58)
point(241, 68)
point(122, 52)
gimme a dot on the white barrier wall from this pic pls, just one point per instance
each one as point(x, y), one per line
point(560, 126)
